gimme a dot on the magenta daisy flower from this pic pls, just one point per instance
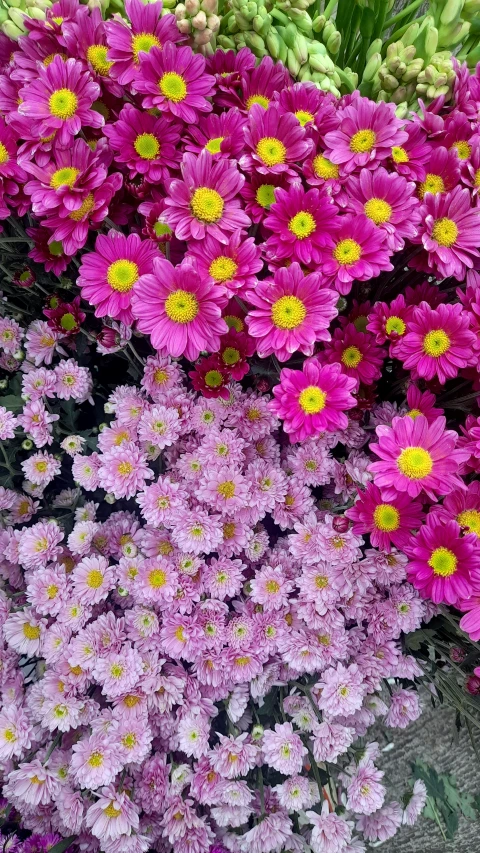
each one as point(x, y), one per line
point(442, 173)
point(387, 522)
point(107, 275)
point(411, 157)
point(259, 194)
point(422, 403)
point(449, 233)
point(462, 507)
point(9, 167)
point(388, 322)
point(416, 456)
point(220, 135)
point(51, 255)
point(357, 353)
point(65, 181)
point(211, 377)
point(235, 347)
point(174, 81)
point(275, 143)
point(313, 400)
point(366, 135)
point(389, 201)
point(290, 313)
point(309, 105)
point(358, 251)
point(438, 342)
point(227, 66)
point(301, 222)
point(85, 38)
point(60, 100)
point(180, 312)
point(444, 565)
point(257, 85)
point(147, 29)
point(147, 144)
point(206, 200)
point(233, 264)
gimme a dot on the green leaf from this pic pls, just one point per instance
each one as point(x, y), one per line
point(63, 845)
point(12, 403)
point(451, 823)
point(416, 638)
point(467, 805)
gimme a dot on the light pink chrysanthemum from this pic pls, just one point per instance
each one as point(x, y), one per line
point(124, 470)
point(283, 749)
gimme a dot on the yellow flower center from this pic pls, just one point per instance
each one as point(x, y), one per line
point(321, 581)
point(213, 378)
point(271, 151)
point(432, 184)
point(181, 306)
point(131, 701)
point(362, 141)
point(36, 781)
point(230, 356)
point(436, 343)
point(207, 205)
point(9, 735)
point(415, 463)
point(386, 517)
point(222, 268)
point(304, 117)
point(51, 590)
point(51, 56)
point(173, 87)
point(55, 248)
point(3, 153)
point(257, 99)
point(477, 178)
point(84, 209)
point(378, 210)
point(157, 578)
point(213, 146)
point(347, 252)
point(95, 760)
point(395, 324)
point(129, 740)
point(414, 413)
point(265, 195)
point(470, 518)
point(111, 811)
point(234, 322)
point(351, 357)
point(41, 466)
point(147, 146)
point(445, 232)
point(180, 634)
point(288, 312)
point(229, 530)
point(63, 103)
point(463, 149)
point(312, 400)
point(160, 376)
point(399, 155)
point(443, 562)
point(302, 224)
point(116, 670)
point(324, 169)
point(125, 468)
point(122, 275)
point(31, 632)
point(94, 579)
point(242, 661)
point(97, 57)
point(143, 42)
point(272, 586)
point(226, 489)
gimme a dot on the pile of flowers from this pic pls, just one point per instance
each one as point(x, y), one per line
point(231, 475)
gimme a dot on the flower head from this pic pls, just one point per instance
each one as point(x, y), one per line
point(443, 565)
point(174, 81)
point(366, 134)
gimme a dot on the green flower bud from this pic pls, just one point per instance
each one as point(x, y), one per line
point(27, 444)
point(334, 42)
point(3, 384)
point(110, 499)
point(318, 23)
point(257, 732)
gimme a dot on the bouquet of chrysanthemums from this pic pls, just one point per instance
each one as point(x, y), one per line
point(240, 343)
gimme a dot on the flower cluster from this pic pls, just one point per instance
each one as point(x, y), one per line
point(232, 476)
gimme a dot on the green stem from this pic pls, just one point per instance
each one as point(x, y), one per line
point(53, 746)
point(402, 14)
point(330, 8)
point(260, 790)
point(7, 461)
point(314, 767)
point(380, 20)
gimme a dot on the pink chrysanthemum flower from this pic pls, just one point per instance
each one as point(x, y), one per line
point(206, 201)
point(173, 80)
point(92, 579)
point(275, 143)
point(32, 784)
point(126, 43)
point(291, 313)
point(60, 100)
point(95, 761)
point(270, 588)
point(283, 749)
point(220, 135)
point(160, 500)
point(450, 233)
point(51, 255)
point(259, 194)
point(301, 222)
point(159, 427)
point(232, 265)
point(9, 167)
point(444, 566)
point(24, 632)
point(357, 251)
point(124, 470)
point(313, 400)
point(15, 732)
point(85, 38)
point(107, 275)
point(119, 672)
point(224, 490)
point(443, 173)
point(330, 833)
point(342, 690)
point(85, 471)
point(10, 334)
point(224, 577)
point(366, 134)
point(47, 591)
point(385, 521)
point(180, 312)
point(389, 321)
point(73, 381)
point(462, 507)
point(417, 456)
point(272, 834)
point(113, 815)
point(411, 157)
point(382, 824)
point(388, 201)
point(8, 424)
point(357, 354)
point(234, 757)
point(308, 104)
point(146, 144)
point(41, 468)
point(438, 342)
point(196, 531)
point(160, 374)
point(404, 708)
point(365, 792)
point(422, 403)
point(416, 803)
